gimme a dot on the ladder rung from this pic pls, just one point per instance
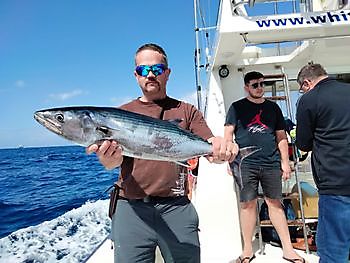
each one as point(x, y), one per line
point(274, 76)
point(276, 97)
point(267, 223)
point(291, 195)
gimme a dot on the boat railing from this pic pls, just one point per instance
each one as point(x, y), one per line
point(303, 6)
point(297, 6)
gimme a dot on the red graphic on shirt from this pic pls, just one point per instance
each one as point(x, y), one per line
point(257, 121)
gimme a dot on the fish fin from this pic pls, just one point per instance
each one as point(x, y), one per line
point(184, 164)
point(236, 172)
point(103, 129)
point(247, 151)
point(175, 121)
point(236, 164)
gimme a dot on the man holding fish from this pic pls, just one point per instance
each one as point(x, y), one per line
point(153, 208)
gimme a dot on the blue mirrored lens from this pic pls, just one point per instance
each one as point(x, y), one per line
point(143, 70)
point(156, 69)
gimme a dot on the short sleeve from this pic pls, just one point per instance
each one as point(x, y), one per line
point(231, 117)
point(280, 123)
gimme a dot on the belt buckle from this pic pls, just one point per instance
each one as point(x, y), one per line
point(147, 199)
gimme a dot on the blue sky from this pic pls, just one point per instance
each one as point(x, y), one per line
point(61, 53)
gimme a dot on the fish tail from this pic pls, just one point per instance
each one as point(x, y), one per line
point(236, 164)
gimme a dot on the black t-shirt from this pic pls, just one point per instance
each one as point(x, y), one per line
point(256, 125)
point(323, 117)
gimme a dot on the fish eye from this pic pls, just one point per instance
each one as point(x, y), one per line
point(103, 129)
point(60, 117)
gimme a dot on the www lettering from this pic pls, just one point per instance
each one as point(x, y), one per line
point(319, 19)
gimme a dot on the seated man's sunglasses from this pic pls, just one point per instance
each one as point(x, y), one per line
point(256, 85)
point(157, 69)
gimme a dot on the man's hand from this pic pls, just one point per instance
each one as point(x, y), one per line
point(286, 171)
point(223, 150)
point(109, 154)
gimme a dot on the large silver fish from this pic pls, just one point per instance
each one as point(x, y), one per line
point(139, 136)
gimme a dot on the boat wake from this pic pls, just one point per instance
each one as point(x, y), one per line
point(68, 238)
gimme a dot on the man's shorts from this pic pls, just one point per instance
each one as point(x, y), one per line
point(270, 179)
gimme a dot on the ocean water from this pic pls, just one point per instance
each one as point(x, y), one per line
point(53, 204)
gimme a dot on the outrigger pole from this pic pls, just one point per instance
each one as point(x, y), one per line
point(197, 58)
point(197, 52)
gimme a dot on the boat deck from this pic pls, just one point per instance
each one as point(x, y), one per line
point(272, 254)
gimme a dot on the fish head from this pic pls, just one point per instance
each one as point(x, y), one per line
point(78, 126)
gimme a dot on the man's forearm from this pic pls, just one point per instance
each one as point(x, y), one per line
point(283, 148)
point(229, 133)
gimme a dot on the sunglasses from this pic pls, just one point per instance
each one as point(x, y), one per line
point(256, 85)
point(157, 69)
point(301, 87)
point(301, 90)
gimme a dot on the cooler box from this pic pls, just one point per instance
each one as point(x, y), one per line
point(310, 200)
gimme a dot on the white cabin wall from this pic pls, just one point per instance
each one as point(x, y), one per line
point(215, 108)
point(322, 5)
point(222, 92)
point(332, 54)
point(215, 197)
point(233, 87)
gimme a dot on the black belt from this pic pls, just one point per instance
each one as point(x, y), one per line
point(152, 199)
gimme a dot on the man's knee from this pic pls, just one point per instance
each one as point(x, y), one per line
point(273, 203)
point(249, 205)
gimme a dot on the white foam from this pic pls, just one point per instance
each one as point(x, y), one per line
point(67, 238)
